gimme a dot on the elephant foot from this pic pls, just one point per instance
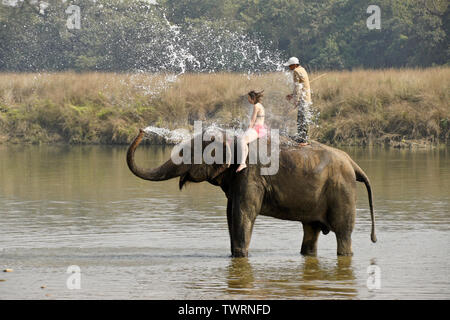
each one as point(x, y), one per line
point(309, 248)
point(239, 253)
point(308, 251)
point(310, 236)
point(344, 245)
point(345, 254)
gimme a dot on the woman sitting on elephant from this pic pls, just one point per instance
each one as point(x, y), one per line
point(256, 128)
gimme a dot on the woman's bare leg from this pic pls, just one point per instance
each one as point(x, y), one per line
point(249, 136)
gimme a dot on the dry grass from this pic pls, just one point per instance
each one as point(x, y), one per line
point(356, 107)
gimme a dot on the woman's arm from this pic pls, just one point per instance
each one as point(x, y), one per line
point(253, 119)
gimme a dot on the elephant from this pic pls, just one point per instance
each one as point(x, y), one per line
point(314, 185)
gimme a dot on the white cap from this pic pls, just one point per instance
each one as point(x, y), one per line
point(292, 60)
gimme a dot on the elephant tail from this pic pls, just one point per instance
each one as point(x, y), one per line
point(362, 177)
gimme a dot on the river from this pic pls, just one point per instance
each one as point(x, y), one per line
point(64, 206)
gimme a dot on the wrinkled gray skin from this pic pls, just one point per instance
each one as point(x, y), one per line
point(315, 185)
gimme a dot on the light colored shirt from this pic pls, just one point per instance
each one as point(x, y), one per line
point(302, 89)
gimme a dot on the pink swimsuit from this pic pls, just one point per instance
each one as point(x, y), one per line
point(260, 129)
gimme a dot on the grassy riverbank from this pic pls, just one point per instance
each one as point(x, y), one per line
point(396, 107)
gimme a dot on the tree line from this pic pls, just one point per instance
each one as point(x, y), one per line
point(129, 35)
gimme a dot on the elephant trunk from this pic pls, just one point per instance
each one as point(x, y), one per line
point(166, 171)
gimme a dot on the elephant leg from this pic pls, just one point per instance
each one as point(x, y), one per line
point(230, 222)
point(343, 230)
point(246, 206)
point(342, 222)
point(344, 244)
point(311, 233)
point(242, 233)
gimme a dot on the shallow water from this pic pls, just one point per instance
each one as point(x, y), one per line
point(63, 206)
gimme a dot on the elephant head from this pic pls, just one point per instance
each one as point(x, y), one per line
point(187, 170)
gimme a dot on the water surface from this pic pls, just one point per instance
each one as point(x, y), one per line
point(134, 239)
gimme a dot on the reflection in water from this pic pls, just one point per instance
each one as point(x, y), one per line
point(66, 205)
point(313, 269)
point(240, 275)
point(310, 279)
point(318, 276)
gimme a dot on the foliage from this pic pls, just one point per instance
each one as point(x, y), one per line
point(119, 35)
point(330, 34)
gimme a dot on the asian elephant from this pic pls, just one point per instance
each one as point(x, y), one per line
point(315, 185)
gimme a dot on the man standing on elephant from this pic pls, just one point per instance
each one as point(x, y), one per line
point(301, 98)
